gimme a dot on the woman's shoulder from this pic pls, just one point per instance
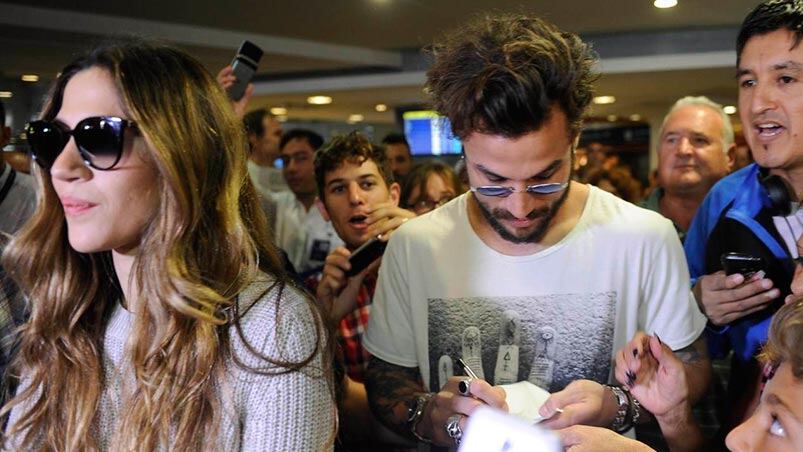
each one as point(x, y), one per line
point(276, 320)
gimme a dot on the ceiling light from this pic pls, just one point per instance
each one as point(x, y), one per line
point(355, 119)
point(30, 78)
point(604, 100)
point(5, 94)
point(278, 111)
point(635, 117)
point(665, 3)
point(381, 107)
point(319, 100)
point(729, 109)
point(612, 118)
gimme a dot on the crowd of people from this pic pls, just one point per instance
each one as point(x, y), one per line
point(166, 285)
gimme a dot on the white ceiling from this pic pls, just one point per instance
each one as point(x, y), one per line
point(304, 38)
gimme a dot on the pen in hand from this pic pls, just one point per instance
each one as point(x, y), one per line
point(467, 370)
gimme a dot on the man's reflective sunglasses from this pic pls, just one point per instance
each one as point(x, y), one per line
point(99, 140)
point(538, 189)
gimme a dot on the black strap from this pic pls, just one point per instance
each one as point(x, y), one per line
point(7, 186)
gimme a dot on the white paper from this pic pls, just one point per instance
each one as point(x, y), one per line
point(491, 430)
point(524, 399)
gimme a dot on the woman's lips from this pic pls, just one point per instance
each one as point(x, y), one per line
point(74, 207)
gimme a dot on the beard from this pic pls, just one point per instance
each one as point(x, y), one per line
point(543, 216)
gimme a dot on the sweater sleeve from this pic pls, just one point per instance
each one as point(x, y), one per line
point(294, 410)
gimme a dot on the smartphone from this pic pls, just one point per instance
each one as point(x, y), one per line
point(245, 65)
point(744, 264)
point(365, 254)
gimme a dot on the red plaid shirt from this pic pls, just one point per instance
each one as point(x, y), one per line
point(352, 329)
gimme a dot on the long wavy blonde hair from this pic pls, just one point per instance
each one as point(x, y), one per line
point(205, 244)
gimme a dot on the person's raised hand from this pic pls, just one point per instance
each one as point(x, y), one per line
point(653, 374)
point(225, 78)
point(384, 218)
point(336, 291)
point(725, 298)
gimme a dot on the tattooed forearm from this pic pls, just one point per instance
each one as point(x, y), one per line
point(391, 391)
point(690, 354)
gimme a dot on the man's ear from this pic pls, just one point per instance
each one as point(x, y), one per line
point(731, 156)
point(395, 193)
point(252, 139)
point(322, 208)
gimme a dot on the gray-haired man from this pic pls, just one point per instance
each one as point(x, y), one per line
point(694, 152)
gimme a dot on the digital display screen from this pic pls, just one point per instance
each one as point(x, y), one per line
point(429, 133)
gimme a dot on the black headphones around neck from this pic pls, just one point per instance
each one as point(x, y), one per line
point(778, 191)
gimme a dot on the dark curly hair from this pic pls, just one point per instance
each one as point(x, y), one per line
point(768, 17)
point(353, 148)
point(501, 75)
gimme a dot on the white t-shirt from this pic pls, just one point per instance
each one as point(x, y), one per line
point(551, 317)
point(303, 234)
point(267, 179)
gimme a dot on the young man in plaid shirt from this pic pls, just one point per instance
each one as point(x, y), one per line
point(356, 192)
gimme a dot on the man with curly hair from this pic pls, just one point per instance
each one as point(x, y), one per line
point(529, 276)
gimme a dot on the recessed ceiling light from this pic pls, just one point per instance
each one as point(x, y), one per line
point(355, 119)
point(665, 3)
point(604, 100)
point(278, 111)
point(30, 78)
point(635, 117)
point(319, 100)
point(612, 118)
point(381, 107)
point(729, 109)
point(5, 94)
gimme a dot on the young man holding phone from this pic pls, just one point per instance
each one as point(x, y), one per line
point(356, 192)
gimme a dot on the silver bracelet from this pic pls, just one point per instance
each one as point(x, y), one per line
point(620, 423)
point(415, 414)
point(635, 408)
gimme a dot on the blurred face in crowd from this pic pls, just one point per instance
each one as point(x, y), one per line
point(438, 192)
point(351, 192)
point(104, 210)
point(401, 162)
point(692, 156)
point(777, 423)
point(539, 157)
point(298, 158)
point(771, 99)
point(267, 145)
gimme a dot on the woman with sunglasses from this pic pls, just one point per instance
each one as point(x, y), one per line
point(160, 317)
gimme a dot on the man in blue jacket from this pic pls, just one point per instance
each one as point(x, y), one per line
point(755, 210)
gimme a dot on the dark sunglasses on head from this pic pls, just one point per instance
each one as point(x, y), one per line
point(99, 140)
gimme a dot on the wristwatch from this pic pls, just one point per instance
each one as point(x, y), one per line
point(415, 412)
point(620, 422)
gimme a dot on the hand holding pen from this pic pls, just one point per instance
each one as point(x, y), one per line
point(456, 401)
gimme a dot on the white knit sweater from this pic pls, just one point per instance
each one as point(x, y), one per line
point(289, 412)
